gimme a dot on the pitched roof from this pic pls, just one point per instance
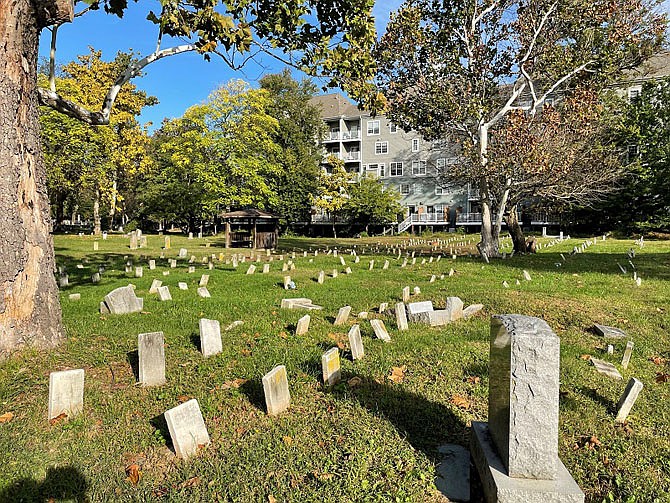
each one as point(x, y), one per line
point(657, 66)
point(249, 213)
point(335, 105)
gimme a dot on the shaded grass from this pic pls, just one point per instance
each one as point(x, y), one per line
point(376, 441)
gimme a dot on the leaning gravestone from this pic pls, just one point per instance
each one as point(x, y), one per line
point(122, 300)
point(187, 428)
point(252, 269)
point(627, 400)
point(330, 364)
point(606, 368)
point(275, 388)
point(612, 332)
point(380, 330)
point(455, 308)
point(627, 354)
point(342, 315)
point(66, 393)
point(203, 292)
point(356, 343)
point(210, 337)
point(303, 325)
point(401, 316)
point(516, 453)
point(151, 356)
point(155, 284)
point(164, 293)
point(182, 252)
point(204, 280)
point(405, 294)
point(152, 264)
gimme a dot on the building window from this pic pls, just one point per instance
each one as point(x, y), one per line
point(393, 129)
point(381, 147)
point(382, 170)
point(443, 162)
point(549, 102)
point(396, 169)
point(419, 168)
point(373, 128)
point(440, 191)
point(377, 169)
point(415, 145)
point(405, 189)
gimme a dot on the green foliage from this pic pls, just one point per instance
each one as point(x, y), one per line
point(333, 190)
point(219, 155)
point(371, 203)
point(299, 124)
point(85, 162)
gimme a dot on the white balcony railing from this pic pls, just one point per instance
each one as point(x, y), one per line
point(353, 156)
point(351, 135)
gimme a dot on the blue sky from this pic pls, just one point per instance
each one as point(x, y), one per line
point(179, 81)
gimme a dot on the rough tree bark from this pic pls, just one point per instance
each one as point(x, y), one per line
point(29, 308)
point(97, 223)
point(489, 245)
point(518, 239)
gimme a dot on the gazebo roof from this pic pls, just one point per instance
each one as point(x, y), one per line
point(250, 213)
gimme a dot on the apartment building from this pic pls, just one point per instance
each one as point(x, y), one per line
point(401, 160)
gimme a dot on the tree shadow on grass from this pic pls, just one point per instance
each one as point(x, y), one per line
point(60, 483)
point(134, 361)
point(253, 390)
point(160, 424)
point(596, 397)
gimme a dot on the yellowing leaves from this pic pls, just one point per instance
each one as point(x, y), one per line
point(460, 401)
point(397, 374)
point(133, 473)
point(6, 417)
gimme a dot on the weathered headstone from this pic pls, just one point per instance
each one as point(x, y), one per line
point(210, 337)
point(266, 268)
point(151, 354)
point(372, 265)
point(380, 330)
point(252, 269)
point(383, 307)
point(330, 364)
point(182, 252)
point(152, 264)
point(203, 292)
point(303, 325)
point(164, 293)
point(155, 284)
point(74, 296)
point(191, 269)
point(401, 316)
point(356, 343)
point(626, 355)
point(606, 368)
point(347, 270)
point(66, 393)
point(418, 311)
point(405, 294)
point(386, 265)
point(516, 454)
point(182, 285)
point(454, 306)
point(139, 272)
point(275, 387)
point(173, 263)
point(287, 282)
point(472, 310)
point(417, 290)
point(628, 399)
point(122, 300)
point(95, 246)
point(321, 278)
point(611, 332)
point(95, 277)
point(187, 428)
point(342, 315)
point(453, 472)
point(204, 280)
point(133, 241)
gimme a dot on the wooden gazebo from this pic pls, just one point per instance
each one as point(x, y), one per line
point(251, 229)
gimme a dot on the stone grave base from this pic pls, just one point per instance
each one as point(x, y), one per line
point(499, 487)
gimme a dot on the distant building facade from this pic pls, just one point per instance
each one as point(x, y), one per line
point(402, 160)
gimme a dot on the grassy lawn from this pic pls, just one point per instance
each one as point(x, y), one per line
point(367, 439)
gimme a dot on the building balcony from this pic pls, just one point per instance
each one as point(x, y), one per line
point(332, 136)
point(352, 156)
point(351, 135)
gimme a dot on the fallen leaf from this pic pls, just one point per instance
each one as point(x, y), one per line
point(474, 379)
point(460, 401)
point(585, 357)
point(133, 473)
point(283, 335)
point(193, 481)
point(160, 492)
point(354, 381)
point(60, 417)
point(397, 374)
point(6, 417)
point(657, 360)
point(246, 352)
point(182, 398)
point(271, 499)
point(288, 440)
point(589, 442)
point(662, 377)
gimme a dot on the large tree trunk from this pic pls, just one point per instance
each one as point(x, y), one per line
point(29, 308)
point(112, 206)
point(518, 239)
point(489, 245)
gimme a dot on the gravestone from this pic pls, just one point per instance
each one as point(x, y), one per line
point(321, 278)
point(383, 307)
point(210, 337)
point(357, 259)
point(628, 399)
point(252, 269)
point(610, 332)
point(342, 315)
point(432, 279)
point(234, 324)
point(173, 263)
point(526, 275)
point(152, 264)
point(606, 368)
point(386, 265)
point(151, 355)
point(298, 303)
point(66, 393)
point(330, 364)
point(204, 280)
point(418, 311)
point(472, 310)
point(203, 292)
point(380, 330)
point(439, 317)
point(401, 316)
point(516, 453)
point(155, 284)
point(284, 267)
point(164, 293)
point(275, 388)
point(417, 290)
point(122, 300)
point(303, 325)
point(405, 294)
point(187, 428)
point(266, 268)
point(334, 275)
point(347, 270)
point(95, 246)
point(372, 265)
point(287, 282)
point(74, 296)
point(64, 281)
point(191, 269)
point(454, 306)
point(356, 343)
point(626, 355)
point(95, 277)
point(182, 252)
point(453, 472)
point(182, 285)
point(133, 241)
point(139, 272)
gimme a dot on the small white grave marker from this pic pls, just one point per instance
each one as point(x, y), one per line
point(356, 343)
point(187, 428)
point(66, 393)
point(303, 325)
point(380, 330)
point(210, 337)
point(330, 363)
point(342, 315)
point(275, 387)
point(151, 355)
point(628, 399)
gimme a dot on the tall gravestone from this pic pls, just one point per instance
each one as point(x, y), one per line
point(275, 388)
point(151, 356)
point(210, 337)
point(516, 453)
